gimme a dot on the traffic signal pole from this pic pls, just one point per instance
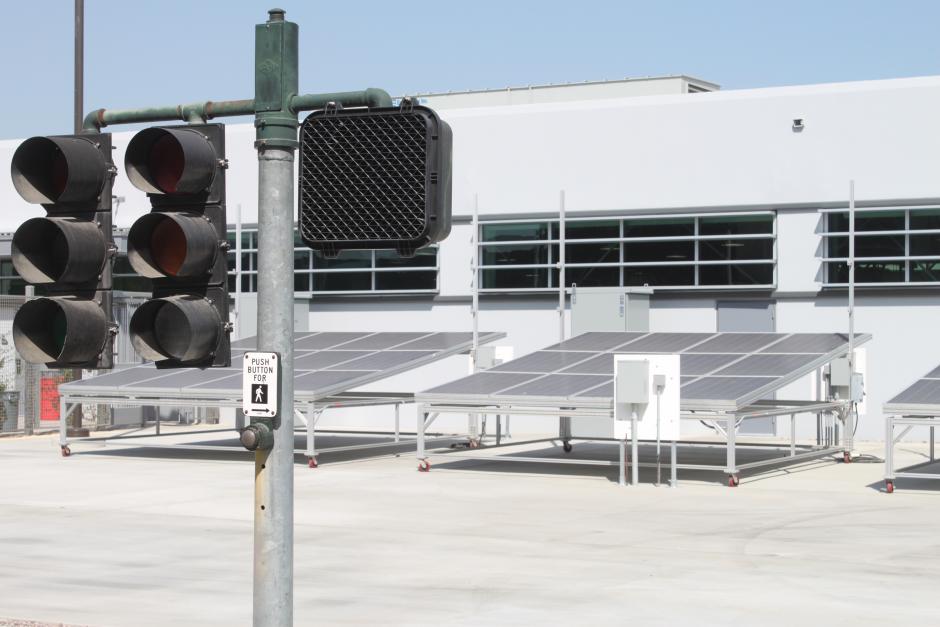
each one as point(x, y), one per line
point(276, 142)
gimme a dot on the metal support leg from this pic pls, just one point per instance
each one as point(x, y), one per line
point(623, 462)
point(63, 425)
point(397, 423)
point(508, 435)
point(311, 436)
point(422, 456)
point(674, 477)
point(931, 444)
point(848, 432)
point(792, 435)
point(889, 454)
point(634, 453)
point(732, 469)
point(499, 435)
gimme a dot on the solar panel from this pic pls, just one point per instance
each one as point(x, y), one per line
point(118, 378)
point(437, 341)
point(557, 385)
point(722, 388)
point(318, 373)
point(324, 359)
point(603, 391)
point(767, 365)
point(599, 364)
point(231, 382)
point(665, 343)
point(817, 343)
point(718, 370)
point(176, 379)
point(382, 360)
point(736, 343)
point(542, 361)
point(923, 392)
point(382, 341)
point(320, 340)
point(482, 383)
point(699, 364)
point(595, 341)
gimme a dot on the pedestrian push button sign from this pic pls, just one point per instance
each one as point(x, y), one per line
point(260, 384)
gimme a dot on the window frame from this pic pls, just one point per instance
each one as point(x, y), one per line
point(553, 241)
point(828, 260)
point(311, 270)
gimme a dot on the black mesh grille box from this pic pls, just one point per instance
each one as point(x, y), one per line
point(374, 178)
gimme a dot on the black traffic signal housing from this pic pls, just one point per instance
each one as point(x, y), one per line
point(374, 178)
point(181, 245)
point(67, 254)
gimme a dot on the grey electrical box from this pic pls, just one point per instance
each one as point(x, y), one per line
point(857, 388)
point(839, 372)
point(633, 381)
point(486, 357)
point(609, 309)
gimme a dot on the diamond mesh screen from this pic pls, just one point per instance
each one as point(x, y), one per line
point(363, 177)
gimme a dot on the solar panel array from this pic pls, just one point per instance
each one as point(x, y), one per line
point(718, 370)
point(325, 364)
point(923, 396)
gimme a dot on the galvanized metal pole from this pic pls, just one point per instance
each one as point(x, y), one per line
point(79, 63)
point(561, 266)
point(275, 84)
point(851, 263)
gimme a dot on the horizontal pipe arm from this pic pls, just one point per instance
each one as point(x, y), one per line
point(203, 111)
point(371, 97)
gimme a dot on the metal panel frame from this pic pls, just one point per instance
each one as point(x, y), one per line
point(308, 404)
point(891, 440)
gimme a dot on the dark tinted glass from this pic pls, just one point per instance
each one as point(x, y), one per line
point(514, 232)
point(736, 274)
point(405, 280)
point(735, 225)
point(659, 227)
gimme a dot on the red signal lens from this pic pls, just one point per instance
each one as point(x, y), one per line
point(166, 163)
point(168, 247)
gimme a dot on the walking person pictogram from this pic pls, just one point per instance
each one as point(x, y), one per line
point(261, 393)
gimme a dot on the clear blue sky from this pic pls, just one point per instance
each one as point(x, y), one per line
point(162, 52)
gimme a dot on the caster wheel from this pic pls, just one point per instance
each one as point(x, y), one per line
point(889, 487)
point(424, 466)
point(66, 451)
point(733, 481)
point(567, 447)
point(312, 462)
point(846, 457)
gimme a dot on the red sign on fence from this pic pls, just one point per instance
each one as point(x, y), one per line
point(49, 398)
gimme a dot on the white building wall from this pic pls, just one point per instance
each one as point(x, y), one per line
point(687, 153)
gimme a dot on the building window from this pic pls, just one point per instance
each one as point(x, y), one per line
point(10, 281)
point(352, 272)
point(672, 252)
point(892, 247)
point(125, 279)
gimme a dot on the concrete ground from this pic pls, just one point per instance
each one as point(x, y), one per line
point(129, 537)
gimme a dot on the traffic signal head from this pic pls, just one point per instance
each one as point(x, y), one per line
point(61, 330)
point(181, 245)
point(181, 328)
point(68, 252)
point(61, 170)
point(172, 160)
point(374, 178)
